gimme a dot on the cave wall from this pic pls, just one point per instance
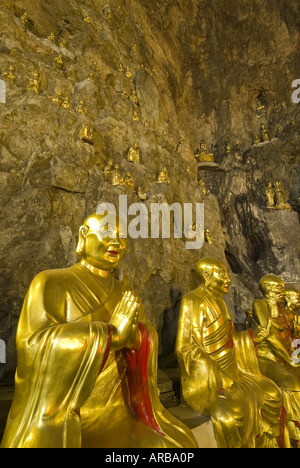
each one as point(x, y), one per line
point(197, 69)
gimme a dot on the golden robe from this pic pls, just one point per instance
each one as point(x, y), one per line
point(220, 376)
point(71, 389)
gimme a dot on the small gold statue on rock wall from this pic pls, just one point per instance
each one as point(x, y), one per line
point(270, 197)
point(203, 155)
point(35, 83)
point(129, 181)
point(81, 109)
point(108, 170)
point(86, 135)
point(58, 98)
point(134, 154)
point(264, 133)
point(10, 75)
point(281, 197)
point(59, 62)
point(117, 179)
point(163, 177)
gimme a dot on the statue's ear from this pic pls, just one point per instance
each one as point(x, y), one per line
point(206, 276)
point(83, 230)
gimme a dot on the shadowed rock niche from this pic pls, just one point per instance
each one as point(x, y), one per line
point(90, 80)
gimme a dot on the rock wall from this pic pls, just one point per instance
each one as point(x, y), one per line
point(165, 74)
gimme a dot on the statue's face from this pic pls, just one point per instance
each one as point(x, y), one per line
point(217, 279)
point(105, 244)
point(275, 290)
point(293, 298)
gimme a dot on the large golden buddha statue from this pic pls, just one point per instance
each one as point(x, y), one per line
point(273, 337)
point(219, 371)
point(86, 373)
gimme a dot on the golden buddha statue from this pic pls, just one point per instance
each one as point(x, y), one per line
point(264, 133)
point(133, 97)
point(108, 170)
point(59, 62)
point(281, 197)
point(10, 75)
point(129, 181)
point(58, 98)
point(134, 154)
point(274, 348)
point(35, 83)
point(219, 370)
point(66, 104)
point(163, 177)
point(142, 195)
point(81, 109)
point(270, 197)
point(117, 179)
point(25, 19)
point(202, 155)
point(208, 237)
point(135, 117)
point(292, 307)
point(86, 134)
point(52, 37)
point(86, 374)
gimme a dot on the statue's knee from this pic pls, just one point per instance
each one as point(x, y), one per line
point(221, 412)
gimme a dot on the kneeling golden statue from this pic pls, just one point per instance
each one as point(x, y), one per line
point(274, 331)
point(86, 373)
point(219, 370)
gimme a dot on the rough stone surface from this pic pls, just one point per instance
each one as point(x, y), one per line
point(197, 69)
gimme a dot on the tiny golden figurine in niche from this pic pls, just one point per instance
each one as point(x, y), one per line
point(52, 37)
point(86, 135)
point(10, 75)
point(264, 133)
point(281, 197)
point(163, 177)
point(58, 98)
point(129, 181)
point(59, 62)
point(133, 97)
point(108, 170)
point(270, 197)
point(135, 117)
point(117, 179)
point(134, 154)
point(203, 155)
point(25, 18)
point(142, 195)
point(35, 83)
point(81, 109)
point(66, 104)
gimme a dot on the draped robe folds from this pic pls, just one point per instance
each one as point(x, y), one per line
point(210, 353)
point(71, 389)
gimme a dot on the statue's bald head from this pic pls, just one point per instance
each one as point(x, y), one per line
point(292, 298)
point(213, 275)
point(269, 282)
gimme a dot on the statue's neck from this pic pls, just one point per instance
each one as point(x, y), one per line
point(96, 271)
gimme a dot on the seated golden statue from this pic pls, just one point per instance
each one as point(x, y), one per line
point(219, 371)
point(163, 177)
point(134, 154)
point(264, 133)
point(86, 374)
point(270, 197)
point(35, 83)
point(273, 337)
point(202, 155)
point(10, 75)
point(281, 197)
point(292, 308)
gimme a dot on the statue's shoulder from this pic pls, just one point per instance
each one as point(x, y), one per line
point(194, 296)
point(58, 278)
